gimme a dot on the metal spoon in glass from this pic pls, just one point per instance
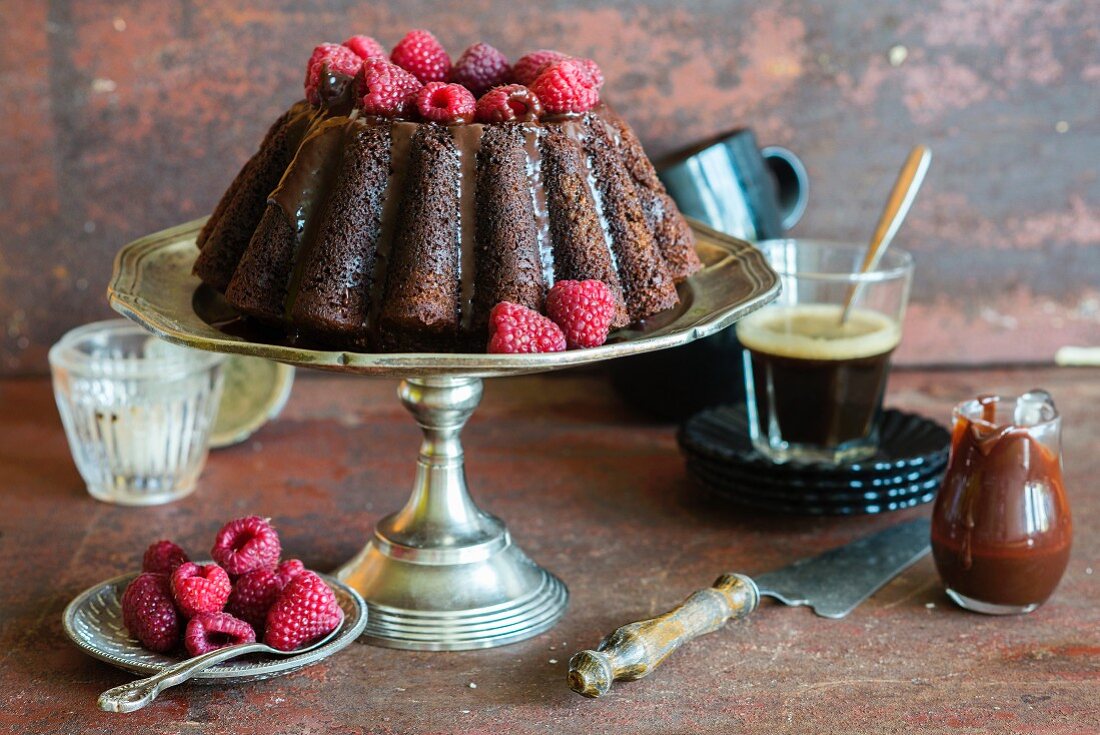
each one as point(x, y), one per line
point(136, 694)
point(897, 206)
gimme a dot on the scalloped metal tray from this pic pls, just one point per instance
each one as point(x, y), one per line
point(153, 285)
point(93, 620)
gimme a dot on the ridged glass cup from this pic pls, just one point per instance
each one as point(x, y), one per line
point(814, 382)
point(137, 411)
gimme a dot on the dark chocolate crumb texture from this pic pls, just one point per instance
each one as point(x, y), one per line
point(399, 229)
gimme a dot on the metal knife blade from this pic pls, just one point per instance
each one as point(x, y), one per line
point(835, 582)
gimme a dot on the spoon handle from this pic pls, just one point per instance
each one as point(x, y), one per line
point(897, 207)
point(136, 694)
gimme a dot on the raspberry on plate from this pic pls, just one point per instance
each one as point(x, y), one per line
point(445, 103)
point(253, 595)
point(511, 103)
point(245, 544)
point(480, 68)
point(210, 631)
point(163, 557)
point(527, 69)
point(386, 89)
point(149, 613)
point(515, 329)
point(199, 589)
point(305, 610)
point(583, 309)
point(421, 54)
point(288, 570)
point(567, 86)
point(334, 58)
point(365, 47)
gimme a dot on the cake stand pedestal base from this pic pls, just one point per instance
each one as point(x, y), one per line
point(441, 574)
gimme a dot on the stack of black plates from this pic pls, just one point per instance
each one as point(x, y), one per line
point(905, 472)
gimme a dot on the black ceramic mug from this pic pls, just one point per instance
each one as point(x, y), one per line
point(739, 188)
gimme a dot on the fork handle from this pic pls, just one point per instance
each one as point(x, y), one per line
point(136, 694)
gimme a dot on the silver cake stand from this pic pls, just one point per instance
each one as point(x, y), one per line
point(439, 574)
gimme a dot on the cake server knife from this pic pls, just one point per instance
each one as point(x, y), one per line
point(832, 583)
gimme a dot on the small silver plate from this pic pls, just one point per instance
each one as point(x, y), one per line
point(94, 623)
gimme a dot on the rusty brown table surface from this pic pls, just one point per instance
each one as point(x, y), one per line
point(600, 496)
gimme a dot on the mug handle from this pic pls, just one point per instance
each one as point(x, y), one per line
point(792, 183)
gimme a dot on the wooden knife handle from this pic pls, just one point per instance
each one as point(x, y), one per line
point(635, 650)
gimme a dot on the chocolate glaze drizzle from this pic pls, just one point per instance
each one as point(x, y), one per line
point(539, 206)
point(337, 92)
point(467, 140)
point(303, 187)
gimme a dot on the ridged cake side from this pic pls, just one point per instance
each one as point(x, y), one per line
point(670, 230)
point(334, 286)
point(421, 305)
point(399, 236)
point(509, 227)
point(230, 228)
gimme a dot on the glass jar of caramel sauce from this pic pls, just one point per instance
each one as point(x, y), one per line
point(1001, 528)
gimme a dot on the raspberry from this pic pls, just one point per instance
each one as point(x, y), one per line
point(584, 311)
point(163, 557)
point(535, 64)
point(246, 544)
point(210, 631)
point(288, 570)
point(305, 610)
point(199, 589)
point(506, 104)
point(515, 329)
point(365, 47)
point(334, 58)
point(421, 54)
point(149, 613)
point(445, 103)
point(386, 89)
point(593, 70)
point(566, 86)
point(480, 68)
point(253, 595)
point(527, 69)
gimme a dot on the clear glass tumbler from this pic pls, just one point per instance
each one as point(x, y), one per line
point(814, 380)
point(137, 410)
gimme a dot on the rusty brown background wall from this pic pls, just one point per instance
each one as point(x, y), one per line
point(123, 118)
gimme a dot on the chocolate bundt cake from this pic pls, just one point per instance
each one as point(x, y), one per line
point(388, 214)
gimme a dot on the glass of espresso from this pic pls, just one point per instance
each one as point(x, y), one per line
point(814, 381)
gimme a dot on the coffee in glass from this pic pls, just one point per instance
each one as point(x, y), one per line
point(814, 383)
